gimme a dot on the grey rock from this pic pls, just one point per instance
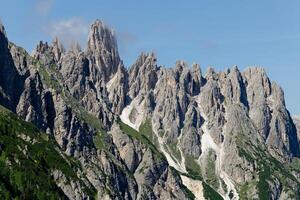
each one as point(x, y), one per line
point(296, 120)
point(75, 95)
point(102, 51)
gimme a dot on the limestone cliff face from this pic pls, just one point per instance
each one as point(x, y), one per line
point(150, 132)
point(296, 120)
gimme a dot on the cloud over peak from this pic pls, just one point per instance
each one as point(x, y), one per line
point(69, 31)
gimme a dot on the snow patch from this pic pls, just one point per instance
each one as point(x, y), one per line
point(139, 118)
point(172, 161)
point(208, 143)
point(181, 153)
point(195, 186)
point(125, 116)
point(111, 82)
point(136, 124)
point(225, 177)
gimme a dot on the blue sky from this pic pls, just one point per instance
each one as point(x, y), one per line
point(212, 33)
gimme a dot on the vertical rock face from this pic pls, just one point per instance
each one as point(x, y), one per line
point(35, 104)
point(102, 51)
point(143, 132)
point(267, 110)
point(57, 49)
point(296, 120)
point(143, 75)
point(198, 114)
point(13, 71)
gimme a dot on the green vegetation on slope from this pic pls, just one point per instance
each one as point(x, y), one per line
point(193, 168)
point(174, 151)
point(27, 159)
point(146, 130)
point(194, 171)
point(99, 140)
point(52, 78)
point(268, 169)
point(141, 137)
point(210, 193)
point(210, 170)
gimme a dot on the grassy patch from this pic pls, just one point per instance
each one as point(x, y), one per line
point(295, 165)
point(210, 193)
point(268, 167)
point(141, 137)
point(172, 147)
point(210, 170)
point(244, 189)
point(49, 78)
point(99, 140)
point(263, 185)
point(146, 130)
point(90, 119)
point(52, 78)
point(193, 168)
point(188, 193)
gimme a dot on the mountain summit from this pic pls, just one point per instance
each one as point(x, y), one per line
point(89, 128)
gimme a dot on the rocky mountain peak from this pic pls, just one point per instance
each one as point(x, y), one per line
point(101, 38)
point(145, 62)
point(143, 74)
point(42, 47)
point(196, 68)
point(3, 39)
point(57, 48)
point(181, 66)
point(102, 50)
point(210, 73)
point(40, 50)
point(2, 29)
point(75, 48)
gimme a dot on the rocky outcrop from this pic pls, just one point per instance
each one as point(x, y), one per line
point(267, 110)
point(71, 189)
point(186, 107)
point(296, 120)
point(155, 179)
point(36, 104)
point(13, 71)
point(102, 51)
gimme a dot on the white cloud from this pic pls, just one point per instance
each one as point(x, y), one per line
point(126, 40)
point(69, 31)
point(43, 6)
point(126, 37)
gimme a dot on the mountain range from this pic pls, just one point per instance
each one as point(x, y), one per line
point(77, 124)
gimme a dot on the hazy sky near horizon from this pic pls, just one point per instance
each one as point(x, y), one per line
point(211, 32)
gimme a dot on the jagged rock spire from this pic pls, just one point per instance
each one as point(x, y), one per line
point(101, 38)
point(75, 47)
point(102, 50)
point(2, 29)
point(57, 48)
point(42, 47)
point(3, 40)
